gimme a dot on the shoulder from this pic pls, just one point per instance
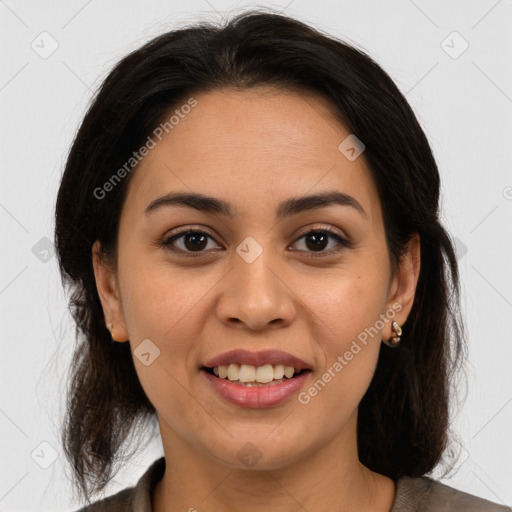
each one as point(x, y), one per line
point(427, 495)
point(136, 498)
point(121, 501)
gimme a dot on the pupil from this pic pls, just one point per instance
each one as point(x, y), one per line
point(195, 236)
point(317, 237)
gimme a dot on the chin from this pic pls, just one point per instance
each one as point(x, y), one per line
point(250, 454)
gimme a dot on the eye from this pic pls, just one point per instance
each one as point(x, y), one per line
point(196, 241)
point(318, 238)
point(191, 241)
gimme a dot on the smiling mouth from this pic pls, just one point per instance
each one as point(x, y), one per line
point(254, 376)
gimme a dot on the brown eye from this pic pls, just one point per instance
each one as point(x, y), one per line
point(316, 241)
point(194, 242)
point(190, 241)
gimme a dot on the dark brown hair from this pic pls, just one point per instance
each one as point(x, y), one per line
point(403, 417)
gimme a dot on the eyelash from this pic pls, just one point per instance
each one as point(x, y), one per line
point(166, 243)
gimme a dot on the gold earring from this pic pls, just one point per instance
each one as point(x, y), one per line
point(111, 327)
point(394, 341)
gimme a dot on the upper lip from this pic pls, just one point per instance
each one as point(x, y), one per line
point(260, 358)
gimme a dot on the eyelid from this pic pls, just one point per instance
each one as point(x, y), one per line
point(183, 230)
point(321, 227)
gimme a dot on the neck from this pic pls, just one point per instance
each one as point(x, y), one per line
point(328, 478)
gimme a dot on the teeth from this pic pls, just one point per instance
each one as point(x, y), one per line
point(278, 371)
point(233, 371)
point(249, 373)
point(264, 374)
point(288, 371)
point(246, 373)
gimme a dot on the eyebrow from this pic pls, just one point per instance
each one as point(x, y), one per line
point(287, 208)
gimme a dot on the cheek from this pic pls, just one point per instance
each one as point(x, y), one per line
point(348, 305)
point(163, 305)
point(347, 322)
point(160, 302)
point(349, 356)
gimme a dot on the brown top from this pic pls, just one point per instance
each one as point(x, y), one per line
point(412, 495)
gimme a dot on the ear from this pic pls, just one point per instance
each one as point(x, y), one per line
point(108, 290)
point(403, 285)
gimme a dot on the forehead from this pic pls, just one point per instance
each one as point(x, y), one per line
point(249, 147)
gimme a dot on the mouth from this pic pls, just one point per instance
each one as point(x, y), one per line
point(238, 384)
point(255, 376)
point(268, 378)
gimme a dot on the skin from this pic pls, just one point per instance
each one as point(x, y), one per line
point(283, 145)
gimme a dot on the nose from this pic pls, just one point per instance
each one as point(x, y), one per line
point(256, 295)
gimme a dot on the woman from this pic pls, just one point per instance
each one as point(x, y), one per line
point(248, 221)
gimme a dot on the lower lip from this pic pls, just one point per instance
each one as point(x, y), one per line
point(258, 396)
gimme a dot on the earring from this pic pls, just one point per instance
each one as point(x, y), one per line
point(110, 328)
point(394, 341)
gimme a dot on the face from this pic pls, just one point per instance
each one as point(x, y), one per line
point(263, 278)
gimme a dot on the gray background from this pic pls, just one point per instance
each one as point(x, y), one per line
point(462, 98)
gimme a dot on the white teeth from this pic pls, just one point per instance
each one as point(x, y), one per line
point(278, 371)
point(288, 371)
point(233, 371)
point(248, 373)
point(264, 374)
